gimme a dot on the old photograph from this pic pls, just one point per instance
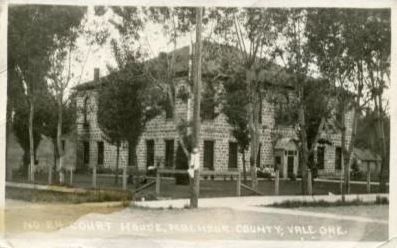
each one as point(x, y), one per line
point(150, 125)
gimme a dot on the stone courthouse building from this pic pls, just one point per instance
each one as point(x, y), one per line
point(158, 145)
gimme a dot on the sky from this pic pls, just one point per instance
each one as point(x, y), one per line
point(152, 39)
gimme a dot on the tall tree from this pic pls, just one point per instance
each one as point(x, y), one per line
point(376, 50)
point(329, 48)
point(126, 102)
point(311, 112)
point(234, 107)
point(60, 76)
point(31, 41)
point(341, 41)
point(252, 32)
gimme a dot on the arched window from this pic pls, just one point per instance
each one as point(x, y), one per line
point(85, 109)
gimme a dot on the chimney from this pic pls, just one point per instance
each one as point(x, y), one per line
point(96, 74)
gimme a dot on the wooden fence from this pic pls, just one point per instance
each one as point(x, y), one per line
point(202, 173)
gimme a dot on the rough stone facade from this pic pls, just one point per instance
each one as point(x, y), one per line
point(217, 130)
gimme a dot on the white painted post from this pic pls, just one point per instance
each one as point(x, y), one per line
point(276, 182)
point(125, 178)
point(158, 181)
point(238, 189)
point(368, 178)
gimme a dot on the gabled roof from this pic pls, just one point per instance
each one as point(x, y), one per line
point(366, 155)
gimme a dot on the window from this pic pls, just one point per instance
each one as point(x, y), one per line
point(208, 112)
point(169, 153)
point(320, 157)
point(149, 153)
point(169, 114)
point(100, 152)
point(209, 154)
point(86, 152)
point(284, 113)
point(338, 113)
point(85, 110)
point(258, 157)
point(233, 155)
point(130, 154)
point(338, 158)
point(260, 110)
point(208, 101)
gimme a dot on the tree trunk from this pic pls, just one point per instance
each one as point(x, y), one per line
point(116, 179)
point(59, 141)
point(304, 150)
point(31, 143)
point(51, 169)
point(356, 110)
point(253, 124)
point(244, 167)
point(344, 167)
point(382, 142)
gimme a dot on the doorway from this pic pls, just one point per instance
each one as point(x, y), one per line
point(290, 165)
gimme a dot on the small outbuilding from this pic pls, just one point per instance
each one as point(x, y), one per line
point(365, 160)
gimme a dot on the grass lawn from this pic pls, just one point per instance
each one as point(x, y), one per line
point(33, 195)
point(219, 188)
point(210, 188)
point(369, 211)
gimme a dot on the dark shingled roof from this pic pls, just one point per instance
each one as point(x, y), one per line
point(181, 66)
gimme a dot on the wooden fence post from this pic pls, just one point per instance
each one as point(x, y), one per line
point(158, 181)
point(277, 182)
point(309, 180)
point(49, 175)
point(238, 189)
point(71, 176)
point(125, 178)
point(368, 178)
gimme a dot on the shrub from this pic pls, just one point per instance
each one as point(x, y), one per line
point(381, 200)
point(322, 203)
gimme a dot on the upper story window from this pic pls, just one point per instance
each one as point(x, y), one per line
point(85, 110)
point(169, 112)
point(283, 112)
point(338, 158)
point(208, 112)
point(208, 101)
point(320, 157)
point(260, 110)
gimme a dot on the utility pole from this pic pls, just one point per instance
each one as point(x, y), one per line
point(195, 183)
